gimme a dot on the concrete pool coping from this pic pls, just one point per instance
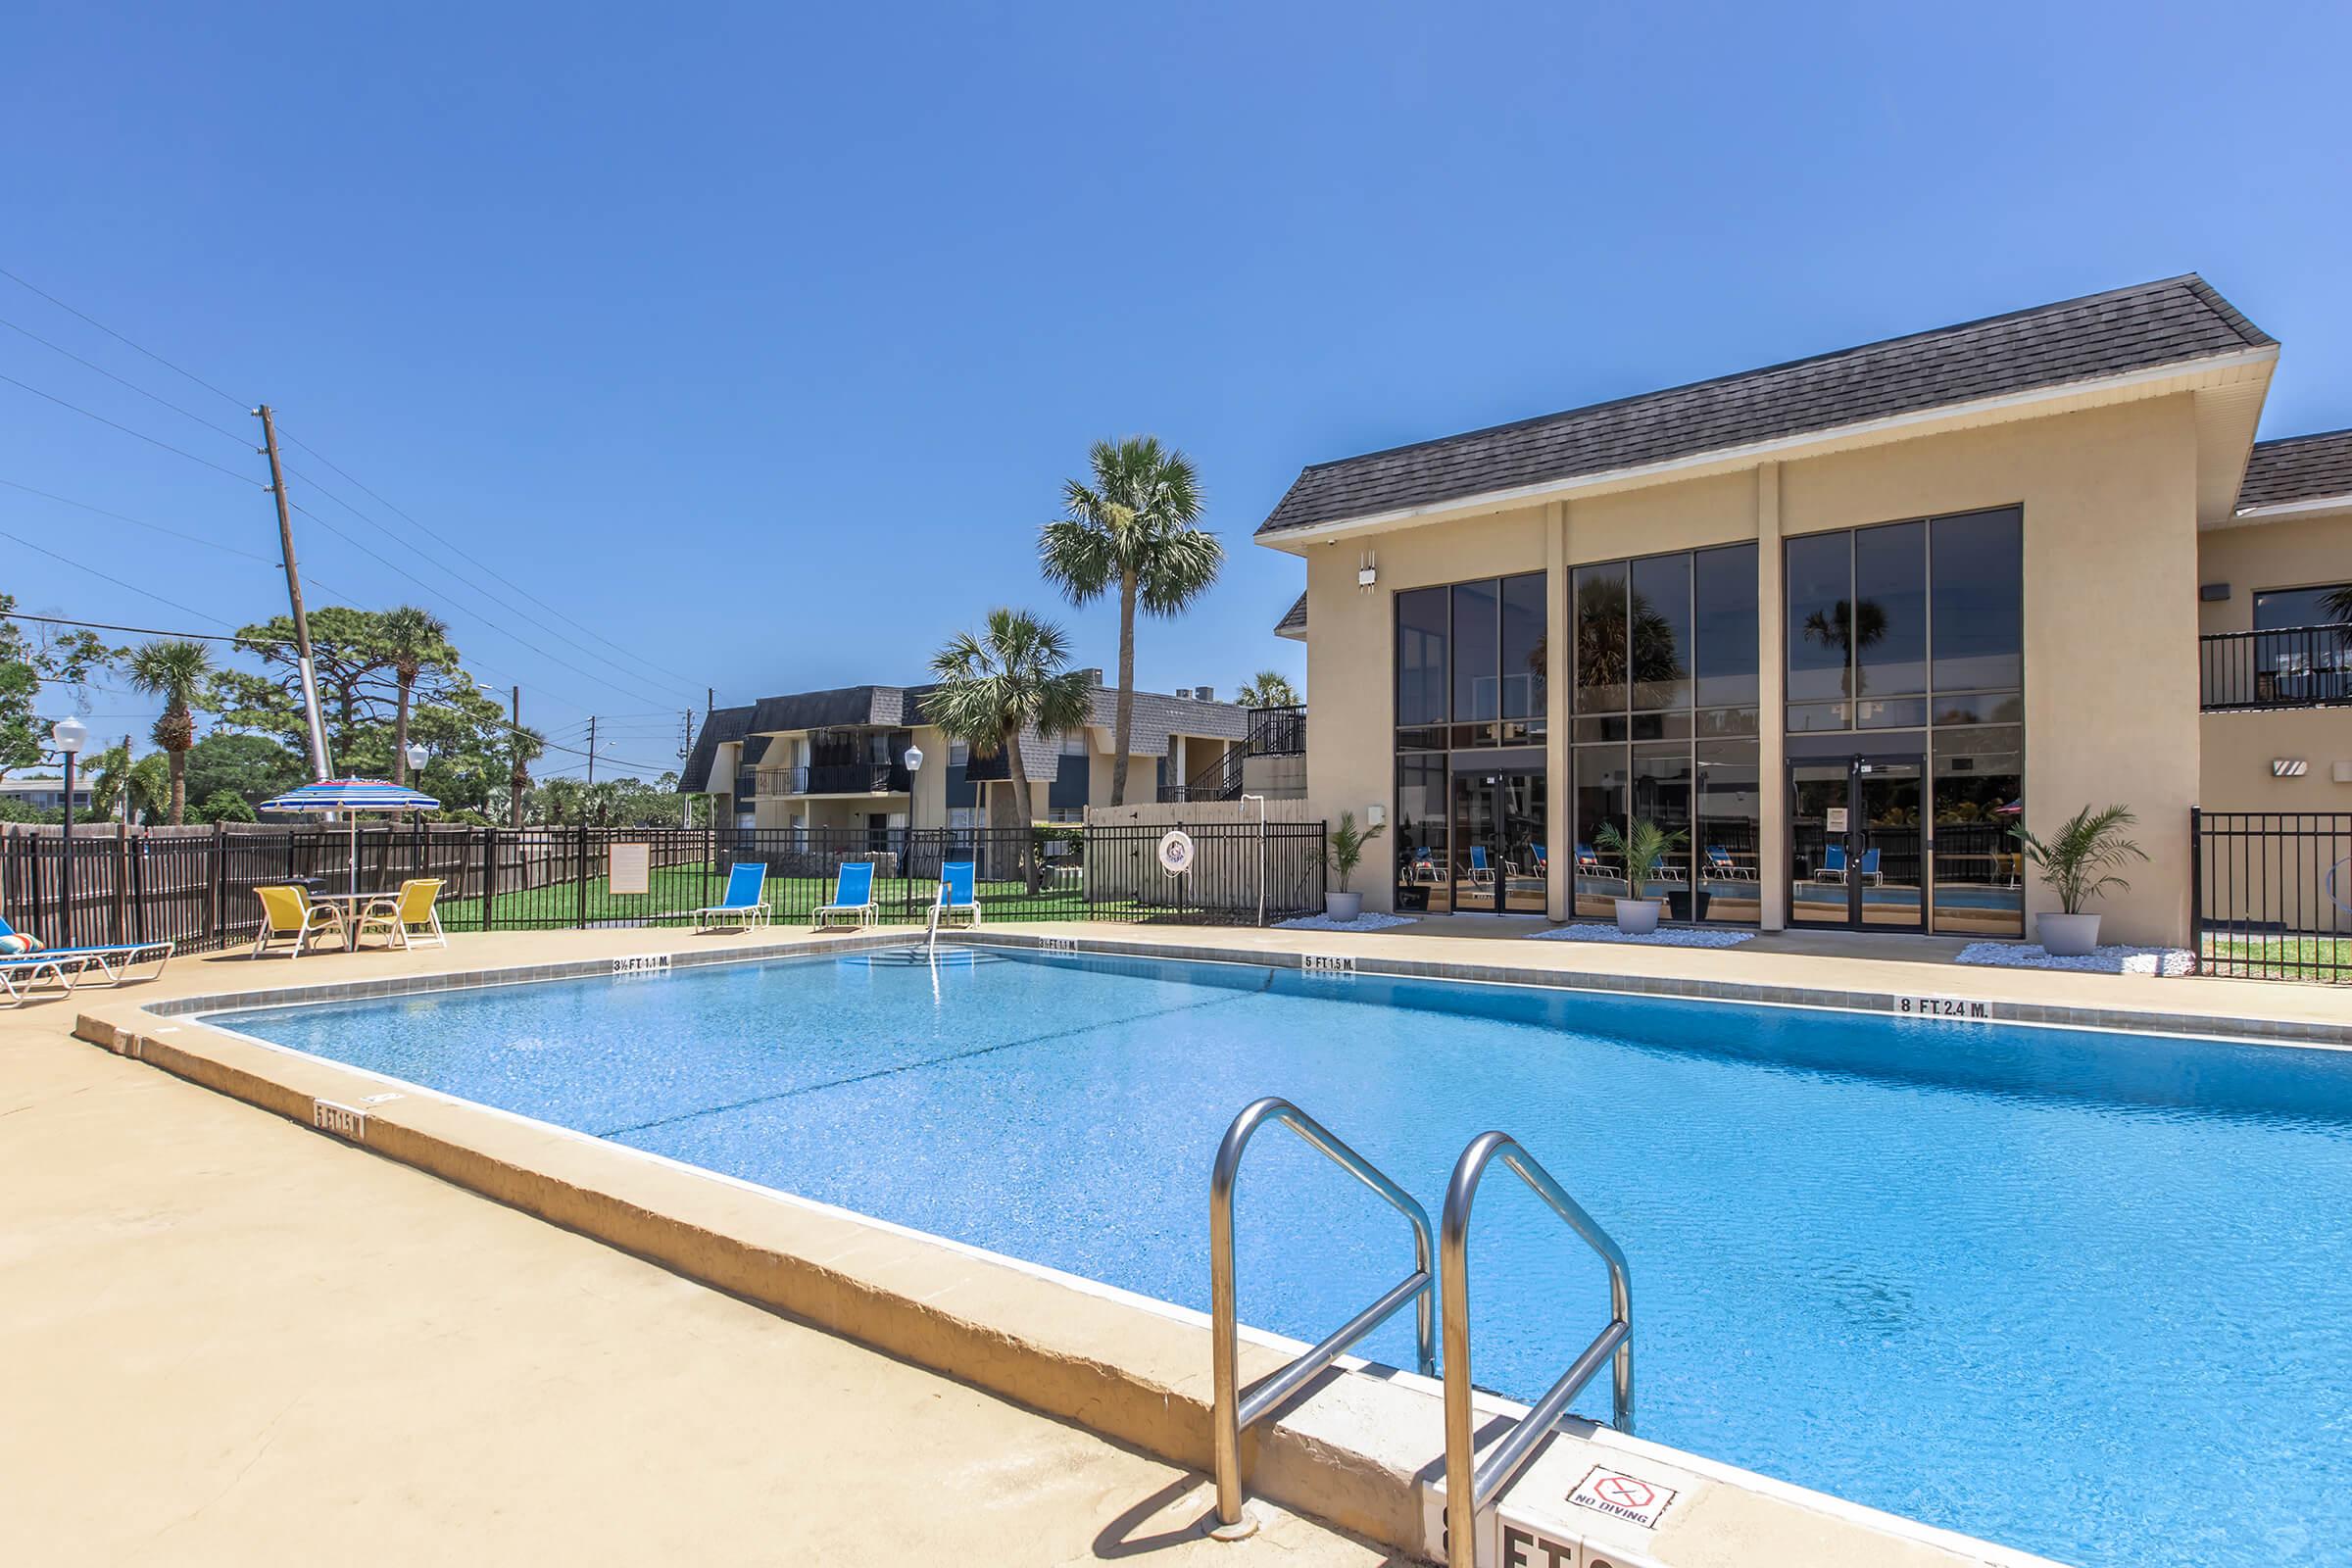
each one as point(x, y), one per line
point(1361, 1449)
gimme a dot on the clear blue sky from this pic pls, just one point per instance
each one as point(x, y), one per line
point(759, 341)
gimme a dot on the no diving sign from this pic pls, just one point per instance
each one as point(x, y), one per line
point(1622, 1497)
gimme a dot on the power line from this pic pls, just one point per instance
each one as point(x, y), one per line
point(490, 625)
point(374, 522)
point(485, 565)
point(233, 435)
point(144, 593)
point(178, 451)
point(120, 338)
point(140, 523)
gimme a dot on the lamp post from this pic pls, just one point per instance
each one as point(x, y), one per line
point(70, 735)
point(915, 769)
point(416, 756)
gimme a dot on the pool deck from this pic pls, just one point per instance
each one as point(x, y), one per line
point(232, 1338)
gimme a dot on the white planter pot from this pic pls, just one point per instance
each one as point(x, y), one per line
point(1637, 917)
point(2068, 936)
point(1343, 906)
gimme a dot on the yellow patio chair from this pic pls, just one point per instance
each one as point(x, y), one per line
point(289, 915)
point(407, 919)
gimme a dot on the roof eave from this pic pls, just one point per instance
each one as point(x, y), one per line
point(2041, 402)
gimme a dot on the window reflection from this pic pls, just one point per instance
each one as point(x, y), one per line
point(1723, 626)
point(1821, 580)
point(1477, 652)
point(1523, 646)
point(1979, 571)
point(1890, 611)
point(1421, 622)
point(1980, 882)
point(1600, 664)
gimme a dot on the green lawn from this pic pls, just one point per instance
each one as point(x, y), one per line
point(678, 890)
point(2304, 958)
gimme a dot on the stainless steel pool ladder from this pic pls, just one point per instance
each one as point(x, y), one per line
point(1466, 1492)
point(1232, 1414)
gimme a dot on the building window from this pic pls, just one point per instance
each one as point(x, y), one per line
point(1905, 676)
point(1073, 743)
point(1470, 723)
point(959, 754)
point(2283, 609)
point(1664, 729)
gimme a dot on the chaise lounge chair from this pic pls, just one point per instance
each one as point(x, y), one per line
point(745, 903)
point(853, 895)
point(1833, 866)
point(1481, 874)
point(21, 973)
point(1720, 864)
point(113, 961)
point(955, 893)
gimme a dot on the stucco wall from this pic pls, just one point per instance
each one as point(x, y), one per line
point(2296, 552)
point(2110, 612)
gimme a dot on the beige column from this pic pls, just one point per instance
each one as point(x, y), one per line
point(1559, 785)
point(1772, 749)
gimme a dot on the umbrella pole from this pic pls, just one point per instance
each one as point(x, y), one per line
point(355, 851)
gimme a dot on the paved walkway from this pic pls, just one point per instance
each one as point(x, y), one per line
point(226, 1338)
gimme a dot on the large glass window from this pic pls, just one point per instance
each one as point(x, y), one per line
point(1470, 700)
point(1659, 618)
point(1421, 622)
point(1477, 652)
point(2278, 609)
point(1523, 646)
point(1979, 570)
point(1666, 671)
point(1905, 667)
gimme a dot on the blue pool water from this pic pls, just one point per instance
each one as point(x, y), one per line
point(2088, 1295)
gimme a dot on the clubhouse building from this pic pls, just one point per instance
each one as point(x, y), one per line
point(1841, 623)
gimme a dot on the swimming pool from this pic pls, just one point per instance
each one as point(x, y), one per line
point(2085, 1293)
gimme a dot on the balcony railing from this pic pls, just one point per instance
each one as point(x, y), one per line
point(1277, 732)
point(835, 779)
point(2293, 667)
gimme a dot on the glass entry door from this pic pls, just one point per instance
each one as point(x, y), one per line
point(1855, 824)
point(1498, 848)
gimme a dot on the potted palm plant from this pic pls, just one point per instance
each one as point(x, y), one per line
point(2079, 864)
point(1343, 852)
point(1640, 847)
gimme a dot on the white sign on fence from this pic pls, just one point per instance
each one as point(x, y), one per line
point(1176, 851)
point(629, 868)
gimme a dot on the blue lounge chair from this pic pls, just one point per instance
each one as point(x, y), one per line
point(1868, 870)
point(955, 893)
point(853, 893)
point(1833, 866)
point(21, 973)
point(1479, 872)
point(1543, 859)
point(1663, 871)
point(1720, 864)
point(112, 962)
point(1424, 867)
point(746, 903)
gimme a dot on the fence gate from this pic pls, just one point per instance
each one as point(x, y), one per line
point(2270, 893)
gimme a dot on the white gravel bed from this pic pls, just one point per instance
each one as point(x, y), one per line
point(1369, 920)
point(2116, 959)
point(1662, 937)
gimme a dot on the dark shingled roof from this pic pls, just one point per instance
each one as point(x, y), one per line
point(2301, 467)
point(2165, 322)
point(1293, 621)
point(719, 725)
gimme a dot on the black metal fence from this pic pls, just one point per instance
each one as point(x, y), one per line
point(194, 886)
point(2270, 893)
point(2297, 667)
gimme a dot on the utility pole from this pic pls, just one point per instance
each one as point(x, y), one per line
point(517, 779)
point(685, 751)
point(302, 624)
point(592, 750)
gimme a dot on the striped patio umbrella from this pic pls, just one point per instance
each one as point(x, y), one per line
point(351, 796)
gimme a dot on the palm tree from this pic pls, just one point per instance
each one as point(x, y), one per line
point(1848, 627)
point(995, 687)
point(1133, 529)
point(412, 638)
point(1268, 688)
point(134, 790)
point(175, 670)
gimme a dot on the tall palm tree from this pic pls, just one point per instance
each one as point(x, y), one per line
point(1133, 529)
point(1268, 688)
point(175, 670)
point(993, 687)
point(412, 638)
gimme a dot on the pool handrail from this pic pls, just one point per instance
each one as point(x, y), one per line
point(1231, 1414)
point(1467, 1488)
